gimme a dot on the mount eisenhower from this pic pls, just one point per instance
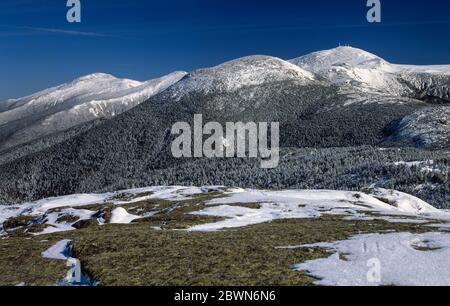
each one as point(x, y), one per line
point(85, 99)
point(343, 99)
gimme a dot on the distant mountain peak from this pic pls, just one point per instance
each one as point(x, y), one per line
point(97, 75)
point(104, 78)
point(348, 65)
point(97, 95)
point(243, 72)
point(254, 64)
point(369, 72)
point(339, 55)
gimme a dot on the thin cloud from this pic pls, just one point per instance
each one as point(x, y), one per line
point(13, 34)
point(65, 32)
point(49, 30)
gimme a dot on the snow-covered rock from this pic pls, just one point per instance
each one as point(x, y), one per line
point(121, 216)
point(293, 204)
point(402, 201)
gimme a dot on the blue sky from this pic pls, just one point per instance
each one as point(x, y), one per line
point(142, 39)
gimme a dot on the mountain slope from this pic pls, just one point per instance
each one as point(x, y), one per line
point(428, 127)
point(83, 100)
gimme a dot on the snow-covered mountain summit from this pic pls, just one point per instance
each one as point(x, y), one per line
point(340, 57)
point(352, 66)
point(82, 88)
point(346, 65)
point(243, 72)
point(87, 98)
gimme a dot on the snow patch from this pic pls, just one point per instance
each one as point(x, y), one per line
point(121, 216)
point(404, 259)
point(62, 250)
point(404, 202)
point(294, 204)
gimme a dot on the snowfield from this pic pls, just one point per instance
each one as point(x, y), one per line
point(388, 205)
point(53, 208)
point(313, 203)
point(401, 259)
point(121, 216)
